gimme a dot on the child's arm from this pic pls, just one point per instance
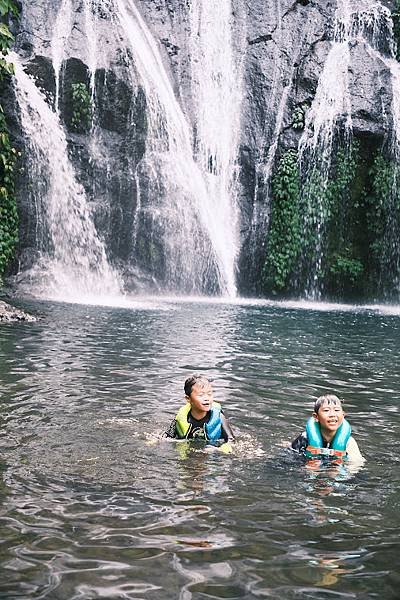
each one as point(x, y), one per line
point(300, 443)
point(171, 431)
point(227, 432)
point(353, 451)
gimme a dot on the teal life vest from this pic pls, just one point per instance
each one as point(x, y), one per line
point(337, 448)
point(212, 429)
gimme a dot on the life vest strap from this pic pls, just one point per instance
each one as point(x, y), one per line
point(313, 451)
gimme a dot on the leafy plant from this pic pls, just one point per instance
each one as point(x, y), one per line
point(8, 154)
point(383, 221)
point(82, 109)
point(284, 239)
point(8, 8)
point(299, 115)
point(346, 269)
point(312, 223)
point(344, 264)
point(328, 213)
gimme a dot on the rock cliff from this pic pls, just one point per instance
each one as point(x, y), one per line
point(281, 47)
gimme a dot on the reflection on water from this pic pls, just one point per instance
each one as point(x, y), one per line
point(93, 504)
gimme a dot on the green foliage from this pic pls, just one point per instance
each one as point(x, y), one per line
point(344, 265)
point(396, 26)
point(8, 205)
point(348, 227)
point(346, 269)
point(331, 220)
point(380, 203)
point(82, 109)
point(284, 239)
point(7, 8)
point(304, 217)
point(383, 221)
point(339, 186)
point(299, 115)
point(8, 154)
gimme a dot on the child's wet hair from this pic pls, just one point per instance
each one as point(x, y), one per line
point(328, 399)
point(192, 380)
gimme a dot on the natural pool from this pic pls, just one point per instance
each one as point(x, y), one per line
point(93, 506)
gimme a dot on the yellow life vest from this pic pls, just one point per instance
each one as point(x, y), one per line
point(212, 429)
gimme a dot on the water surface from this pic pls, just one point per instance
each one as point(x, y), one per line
point(93, 505)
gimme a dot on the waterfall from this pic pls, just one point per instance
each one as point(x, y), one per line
point(192, 214)
point(184, 231)
point(72, 261)
point(62, 30)
point(217, 90)
point(92, 46)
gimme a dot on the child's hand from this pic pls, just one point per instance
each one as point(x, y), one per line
point(226, 448)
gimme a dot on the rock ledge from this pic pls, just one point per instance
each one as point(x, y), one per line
point(8, 313)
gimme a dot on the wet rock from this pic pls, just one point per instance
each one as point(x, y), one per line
point(9, 313)
point(41, 69)
point(370, 92)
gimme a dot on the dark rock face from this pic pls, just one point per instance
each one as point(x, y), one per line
point(282, 45)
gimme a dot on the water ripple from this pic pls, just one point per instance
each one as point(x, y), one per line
point(95, 505)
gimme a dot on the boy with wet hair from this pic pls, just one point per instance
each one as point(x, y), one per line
point(200, 418)
point(328, 416)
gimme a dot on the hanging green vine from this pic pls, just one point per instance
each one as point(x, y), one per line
point(345, 269)
point(284, 239)
point(383, 174)
point(383, 222)
point(8, 154)
point(300, 211)
point(345, 266)
point(299, 116)
point(82, 109)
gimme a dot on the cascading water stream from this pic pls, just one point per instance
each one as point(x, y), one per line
point(192, 205)
point(62, 30)
point(331, 103)
point(72, 264)
point(92, 46)
point(217, 89)
point(183, 211)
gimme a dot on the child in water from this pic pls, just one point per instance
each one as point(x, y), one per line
point(201, 418)
point(328, 433)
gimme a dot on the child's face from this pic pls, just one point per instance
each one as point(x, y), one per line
point(201, 397)
point(330, 416)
